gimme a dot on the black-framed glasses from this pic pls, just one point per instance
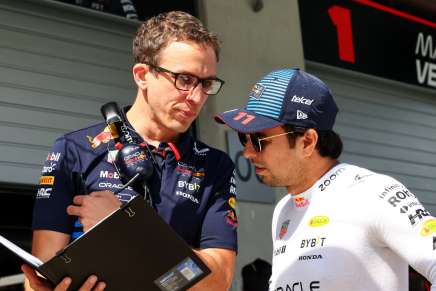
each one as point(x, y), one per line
point(256, 139)
point(187, 82)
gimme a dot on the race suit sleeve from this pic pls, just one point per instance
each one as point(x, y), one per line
point(220, 222)
point(56, 190)
point(406, 227)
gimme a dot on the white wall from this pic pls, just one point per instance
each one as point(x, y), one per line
point(58, 64)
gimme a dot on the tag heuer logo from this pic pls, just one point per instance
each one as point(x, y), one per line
point(284, 229)
point(301, 115)
point(257, 91)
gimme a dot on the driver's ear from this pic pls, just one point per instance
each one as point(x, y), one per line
point(309, 141)
point(140, 72)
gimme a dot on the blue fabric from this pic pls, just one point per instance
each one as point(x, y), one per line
point(194, 195)
point(287, 96)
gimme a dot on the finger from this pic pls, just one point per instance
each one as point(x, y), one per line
point(101, 193)
point(74, 210)
point(30, 274)
point(86, 224)
point(89, 283)
point(78, 199)
point(63, 285)
point(100, 286)
point(28, 271)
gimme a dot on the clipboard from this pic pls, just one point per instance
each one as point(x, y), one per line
point(131, 249)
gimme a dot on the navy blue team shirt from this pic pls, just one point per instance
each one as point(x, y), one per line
point(194, 192)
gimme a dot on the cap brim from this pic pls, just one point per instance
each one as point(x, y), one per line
point(246, 121)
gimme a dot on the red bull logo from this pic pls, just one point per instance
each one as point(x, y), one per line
point(103, 137)
point(198, 174)
point(231, 218)
point(301, 202)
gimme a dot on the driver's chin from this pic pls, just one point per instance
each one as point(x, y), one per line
point(179, 127)
point(270, 181)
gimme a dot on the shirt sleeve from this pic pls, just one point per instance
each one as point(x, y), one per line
point(55, 191)
point(220, 222)
point(406, 227)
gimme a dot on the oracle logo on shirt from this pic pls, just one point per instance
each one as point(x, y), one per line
point(300, 286)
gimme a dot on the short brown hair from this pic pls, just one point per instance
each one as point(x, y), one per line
point(329, 143)
point(157, 32)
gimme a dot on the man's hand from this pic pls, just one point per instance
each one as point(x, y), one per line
point(222, 264)
point(39, 284)
point(93, 207)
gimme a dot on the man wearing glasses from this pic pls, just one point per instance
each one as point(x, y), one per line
point(341, 227)
point(193, 190)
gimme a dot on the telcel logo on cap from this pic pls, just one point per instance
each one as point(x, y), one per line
point(301, 100)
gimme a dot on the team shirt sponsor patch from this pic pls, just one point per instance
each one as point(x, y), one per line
point(43, 193)
point(284, 229)
point(49, 168)
point(231, 217)
point(300, 202)
point(429, 227)
point(187, 170)
point(232, 202)
point(46, 180)
point(312, 242)
point(279, 251)
point(103, 137)
point(53, 157)
point(318, 221)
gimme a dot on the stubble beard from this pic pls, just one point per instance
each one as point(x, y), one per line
point(291, 178)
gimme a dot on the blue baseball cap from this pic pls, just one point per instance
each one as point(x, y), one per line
point(287, 96)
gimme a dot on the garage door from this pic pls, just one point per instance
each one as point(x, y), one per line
point(387, 127)
point(58, 65)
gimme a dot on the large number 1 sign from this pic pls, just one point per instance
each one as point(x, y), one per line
point(389, 39)
point(341, 18)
